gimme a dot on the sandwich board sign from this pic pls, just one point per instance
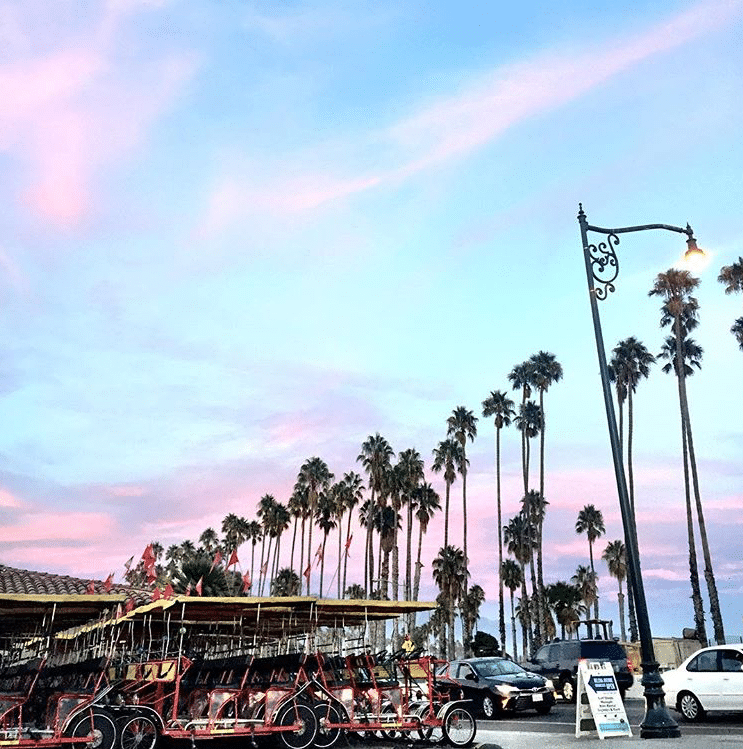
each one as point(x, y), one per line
point(598, 704)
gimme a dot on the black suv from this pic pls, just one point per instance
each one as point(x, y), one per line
point(558, 661)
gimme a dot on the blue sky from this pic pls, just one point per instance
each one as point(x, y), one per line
point(237, 235)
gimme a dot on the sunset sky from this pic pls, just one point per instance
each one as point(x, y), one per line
point(236, 235)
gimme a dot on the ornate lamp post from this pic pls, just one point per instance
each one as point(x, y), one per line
point(602, 269)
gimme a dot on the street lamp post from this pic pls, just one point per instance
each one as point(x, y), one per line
point(602, 269)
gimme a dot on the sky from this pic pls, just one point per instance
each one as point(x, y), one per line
point(237, 235)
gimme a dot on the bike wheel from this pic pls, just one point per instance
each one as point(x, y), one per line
point(327, 715)
point(459, 727)
point(138, 732)
point(99, 725)
point(433, 734)
point(299, 715)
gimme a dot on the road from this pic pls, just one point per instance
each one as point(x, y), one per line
point(561, 720)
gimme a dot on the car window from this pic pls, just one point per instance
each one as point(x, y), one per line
point(542, 653)
point(606, 650)
point(704, 662)
point(555, 652)
point(731, 660)
point(464, 670)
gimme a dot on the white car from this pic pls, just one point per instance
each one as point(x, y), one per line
point(710, 679)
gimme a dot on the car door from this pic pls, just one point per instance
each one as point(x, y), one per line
point(466, 677)
point(702, 677)
point(731, 679)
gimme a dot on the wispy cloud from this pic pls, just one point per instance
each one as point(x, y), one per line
point(457, 125)
point(62, 120)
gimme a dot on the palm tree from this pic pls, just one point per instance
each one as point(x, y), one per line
point(585, 579)
point(355, 592)
point(409, 475)
point(565, 600)
point(375, 457)
point(286, 583)
point(447, 457)
point(533, 506)
point(297, 509)
point(326, 521)
point(209, 540)
point(519, 543)
point(450, 574)
point(630, 363)
point(500, 406)
point(462, 424)
point(510, 574)
point(591, 522)
point(234, 531)
point(280, 522)
point(264, 511)
point(200, 567)
point(427, 503)
point(545, 371)
point(316, 477)
point(471, 611)
point(679, 308)
point(253, 533)
point(352, 492)
point(386, 523)
point(520, 377)
point(615, 557)
point(527, 422)
point(732, 277)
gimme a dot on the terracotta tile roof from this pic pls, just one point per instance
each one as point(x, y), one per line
point(14, 580)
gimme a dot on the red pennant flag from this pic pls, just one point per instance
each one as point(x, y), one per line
point(128, 564)
point(217, 560)
point(187, 592)
point(90, 590)
point(264, 569)
point(156, 594)
point(318, 553)
point(308, 571)
point(233, 559)
point(129, 605)
point(199, 585)
point(148, 556)
point(109, 582)
point(151, 575)
point(168, 592)
point(119, 611)
point(348, 544)
point(247, 584)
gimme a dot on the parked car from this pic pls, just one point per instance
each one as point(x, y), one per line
point(710, 679)
point(498, 685)
point(559, 660)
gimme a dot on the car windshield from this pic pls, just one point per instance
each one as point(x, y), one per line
point(497, 667)
point(602, 650)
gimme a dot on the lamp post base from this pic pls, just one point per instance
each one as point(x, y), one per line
point(658, 722)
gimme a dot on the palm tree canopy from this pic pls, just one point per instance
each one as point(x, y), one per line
point(691, 354)
point(375, 457)
point(499, 405)
point(545, 370)
point(427, 502)
point(591, 522)
point(520, 378)
point(511, 574)
point(450, 573)
point(630, 363)
point(587, 582)
point(448, 457)
point(529, 419)
point(615, 556)
point(732, 276)
point(462, 424)
point(737, 331)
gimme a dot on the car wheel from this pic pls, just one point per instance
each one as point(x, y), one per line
point(568, 690)
point(690, 707)
point(488, 706)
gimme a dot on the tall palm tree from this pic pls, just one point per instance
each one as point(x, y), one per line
point(520, 378)
point(234, 531)
point(510, 573)
point(281, 521)
point(565, 600)
point(533, 506)
point(209, 540)
point(316, 476)
point(461, 425)
point(265, 508)
point(591, 522)
point(545, 371)
point(326, 521)
point(286, 583)
point(474, 598)
point(630, 363)
point(585, 579)
point(615, 557)
point(450, 574)
point(352, 493)
point(375, 457)
point(409, 475)
point(499, 406)
point(253, 533)
point(447, 457)
point(297, 509)
point(427, 504)
point(679, 309)
point(519, 543)
point(732, 277)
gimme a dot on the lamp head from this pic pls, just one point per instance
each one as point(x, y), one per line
point(695, 258)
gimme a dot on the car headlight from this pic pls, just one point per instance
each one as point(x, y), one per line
point(548, 683)
point(506, 689)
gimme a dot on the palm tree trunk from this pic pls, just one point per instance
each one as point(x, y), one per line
point(593, 569)
point(466, 623)
point(620, 599)
point(501, 606)
point(513, 632)
point(451, 649)
point(709, 575)
point(345, 553)
point(446, 514)
point(696, 593)
point(526, 619)
point(541, 604)
point(340, 558)
point(633, 636)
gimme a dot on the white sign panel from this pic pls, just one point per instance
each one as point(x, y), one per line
point(599, 705)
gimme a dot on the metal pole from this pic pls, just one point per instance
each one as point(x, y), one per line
point(658, 722)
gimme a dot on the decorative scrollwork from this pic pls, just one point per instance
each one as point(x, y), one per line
point(604, 265)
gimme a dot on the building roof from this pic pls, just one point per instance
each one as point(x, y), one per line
point(30, 582)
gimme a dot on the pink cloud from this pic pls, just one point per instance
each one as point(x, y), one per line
point(62, 120)
point(9, 500)
point(457, 125)
point(49, 526)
